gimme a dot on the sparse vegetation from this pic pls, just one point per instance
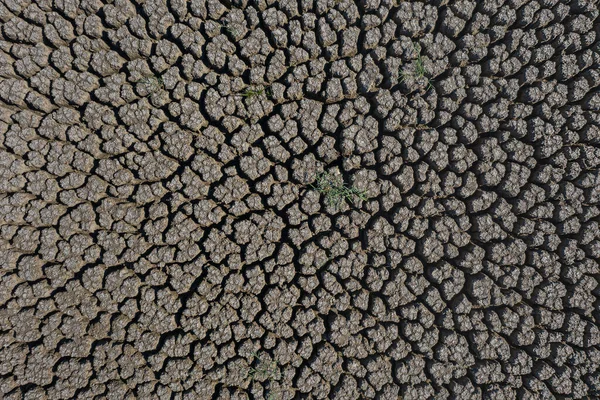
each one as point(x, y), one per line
point(152, 83)
point(335, 190)
point(265, 370)
point(419, 70)
point(253, 92)
point(419, 65)
point(262, 200)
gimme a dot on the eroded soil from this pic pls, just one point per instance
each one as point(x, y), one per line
point(162, 235)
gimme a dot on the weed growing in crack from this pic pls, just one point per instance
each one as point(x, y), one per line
point(419, 68)
point(419, 65)
point(335, 190)
point(152, 83)
point(265, 370)
point(252, 92)
point(255, 92)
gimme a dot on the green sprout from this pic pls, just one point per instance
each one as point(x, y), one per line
point(251, 92)
point(265, 370)
point(153, 83)
point(335, 191)
point(419, 65)
point(419, 68)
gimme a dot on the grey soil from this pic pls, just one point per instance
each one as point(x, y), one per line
point(160, 232)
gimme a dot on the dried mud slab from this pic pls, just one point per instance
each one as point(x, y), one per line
point(167, 225)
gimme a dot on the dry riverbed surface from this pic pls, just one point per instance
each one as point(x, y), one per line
point(299, 199)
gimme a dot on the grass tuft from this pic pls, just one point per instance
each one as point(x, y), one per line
point(335, 190)
point(254, 92)
point(419, 68)
point(152, 83)
point(419, 64)
point(251, 92)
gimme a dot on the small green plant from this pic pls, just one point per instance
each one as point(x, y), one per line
point(419, 70)
point(419, 65)
point(335, 190)
point(265, 370)
point(251, 92)
point(152, 83)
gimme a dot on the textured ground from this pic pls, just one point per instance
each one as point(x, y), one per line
point(160, 232)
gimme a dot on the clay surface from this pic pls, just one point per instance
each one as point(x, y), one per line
point(162, 234)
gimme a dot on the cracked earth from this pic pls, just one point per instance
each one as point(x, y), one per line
point(165, 232)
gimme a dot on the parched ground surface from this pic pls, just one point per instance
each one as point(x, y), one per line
point(161, 235)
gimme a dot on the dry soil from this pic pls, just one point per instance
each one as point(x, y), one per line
point(162, 235)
